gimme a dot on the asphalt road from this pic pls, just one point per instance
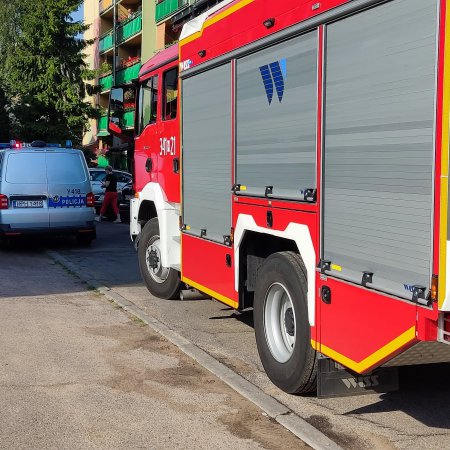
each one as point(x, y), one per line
point(76, 372)
point(417, 416)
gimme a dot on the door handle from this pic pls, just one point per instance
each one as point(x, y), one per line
point(146, 147)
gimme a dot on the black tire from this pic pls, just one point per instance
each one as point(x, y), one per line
point(298, 373)
point(170, 285)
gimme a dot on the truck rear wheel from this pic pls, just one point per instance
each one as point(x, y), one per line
point(281, 323)
point(163, 282)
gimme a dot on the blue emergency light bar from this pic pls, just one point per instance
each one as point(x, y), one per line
point(19, 144)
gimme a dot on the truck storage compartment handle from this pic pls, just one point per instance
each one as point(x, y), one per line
point(176, 165)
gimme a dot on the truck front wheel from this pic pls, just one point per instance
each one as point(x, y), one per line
point(281, 323)
point(162, 282)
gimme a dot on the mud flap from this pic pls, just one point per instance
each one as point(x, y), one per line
point(335, 380)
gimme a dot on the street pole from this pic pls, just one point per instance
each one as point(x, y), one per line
point(114, 43)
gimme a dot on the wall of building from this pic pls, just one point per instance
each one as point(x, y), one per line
point(148, 29)
point(91, 18)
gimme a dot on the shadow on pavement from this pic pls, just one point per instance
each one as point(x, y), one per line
point(424, 395)
point(25, 271)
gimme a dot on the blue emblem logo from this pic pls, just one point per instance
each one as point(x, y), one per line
point(274, 78)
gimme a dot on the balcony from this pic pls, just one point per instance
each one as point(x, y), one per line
point(130, 71)
point(129, 28)
point(165, 8)
point(128, 119)
point(105, 5)
point(102, 126)
point(105, 43)
point(105, 83)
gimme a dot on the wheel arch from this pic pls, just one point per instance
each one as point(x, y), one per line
point(147, 211)
point(253, 244)
point(153, 203)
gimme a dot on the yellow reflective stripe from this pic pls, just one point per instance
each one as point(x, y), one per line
point(215, 19)
point(444, 166)
point(371, 360)
point(212, 293)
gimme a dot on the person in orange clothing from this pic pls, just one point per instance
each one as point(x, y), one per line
point(110, 185)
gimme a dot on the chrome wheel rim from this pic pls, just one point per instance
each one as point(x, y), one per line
point(279, 322)
point(153, 261)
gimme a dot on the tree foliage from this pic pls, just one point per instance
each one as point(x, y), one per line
point(42, 70)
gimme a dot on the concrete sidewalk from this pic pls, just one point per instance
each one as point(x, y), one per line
point(77, 372)
point(417, 414)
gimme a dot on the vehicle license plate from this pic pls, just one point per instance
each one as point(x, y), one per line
point(28, 204)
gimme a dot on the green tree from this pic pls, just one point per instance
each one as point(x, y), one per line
point(4, 117)
point(43, 70)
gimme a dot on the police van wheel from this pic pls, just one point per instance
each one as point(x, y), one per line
point(281, 323)
point(161, 281)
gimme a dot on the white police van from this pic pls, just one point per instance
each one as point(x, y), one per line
point(45, 189)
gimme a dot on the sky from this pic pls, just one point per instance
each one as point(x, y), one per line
point(78, 15)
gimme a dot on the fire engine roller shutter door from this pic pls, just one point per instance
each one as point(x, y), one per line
point(379, 125)
point(276, 118)
point(207, 153)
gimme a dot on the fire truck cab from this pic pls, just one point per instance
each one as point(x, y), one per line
point(155, 210)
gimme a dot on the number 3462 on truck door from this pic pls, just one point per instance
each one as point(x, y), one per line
point(168, 146)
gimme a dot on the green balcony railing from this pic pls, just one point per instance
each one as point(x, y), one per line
point(103, 123)
point(128, 119)
point(102, 127)
point(127, 75)
point(105, 83)
point(167, 7)
point(105, 42)
point(129, 27)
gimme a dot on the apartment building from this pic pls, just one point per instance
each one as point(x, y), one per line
point(127, 33)
point(124, 36)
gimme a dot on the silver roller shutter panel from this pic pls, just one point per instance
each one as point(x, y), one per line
point(379, 145)
point(276, 118)
point(207, 152)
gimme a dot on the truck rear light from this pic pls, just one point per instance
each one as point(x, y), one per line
point(3, 201)
point(90, 200)
point(434, 288)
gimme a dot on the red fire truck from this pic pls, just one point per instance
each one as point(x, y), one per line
point(300, 167)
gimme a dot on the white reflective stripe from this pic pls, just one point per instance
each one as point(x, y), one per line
point(296, 232)
point(195, 25)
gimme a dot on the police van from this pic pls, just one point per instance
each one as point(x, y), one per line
point(45, 189)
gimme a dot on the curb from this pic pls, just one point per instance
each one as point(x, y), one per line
point(272, 407)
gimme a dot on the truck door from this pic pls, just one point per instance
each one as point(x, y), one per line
point(147, 142)
point(378, 180)
point(168, 131)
